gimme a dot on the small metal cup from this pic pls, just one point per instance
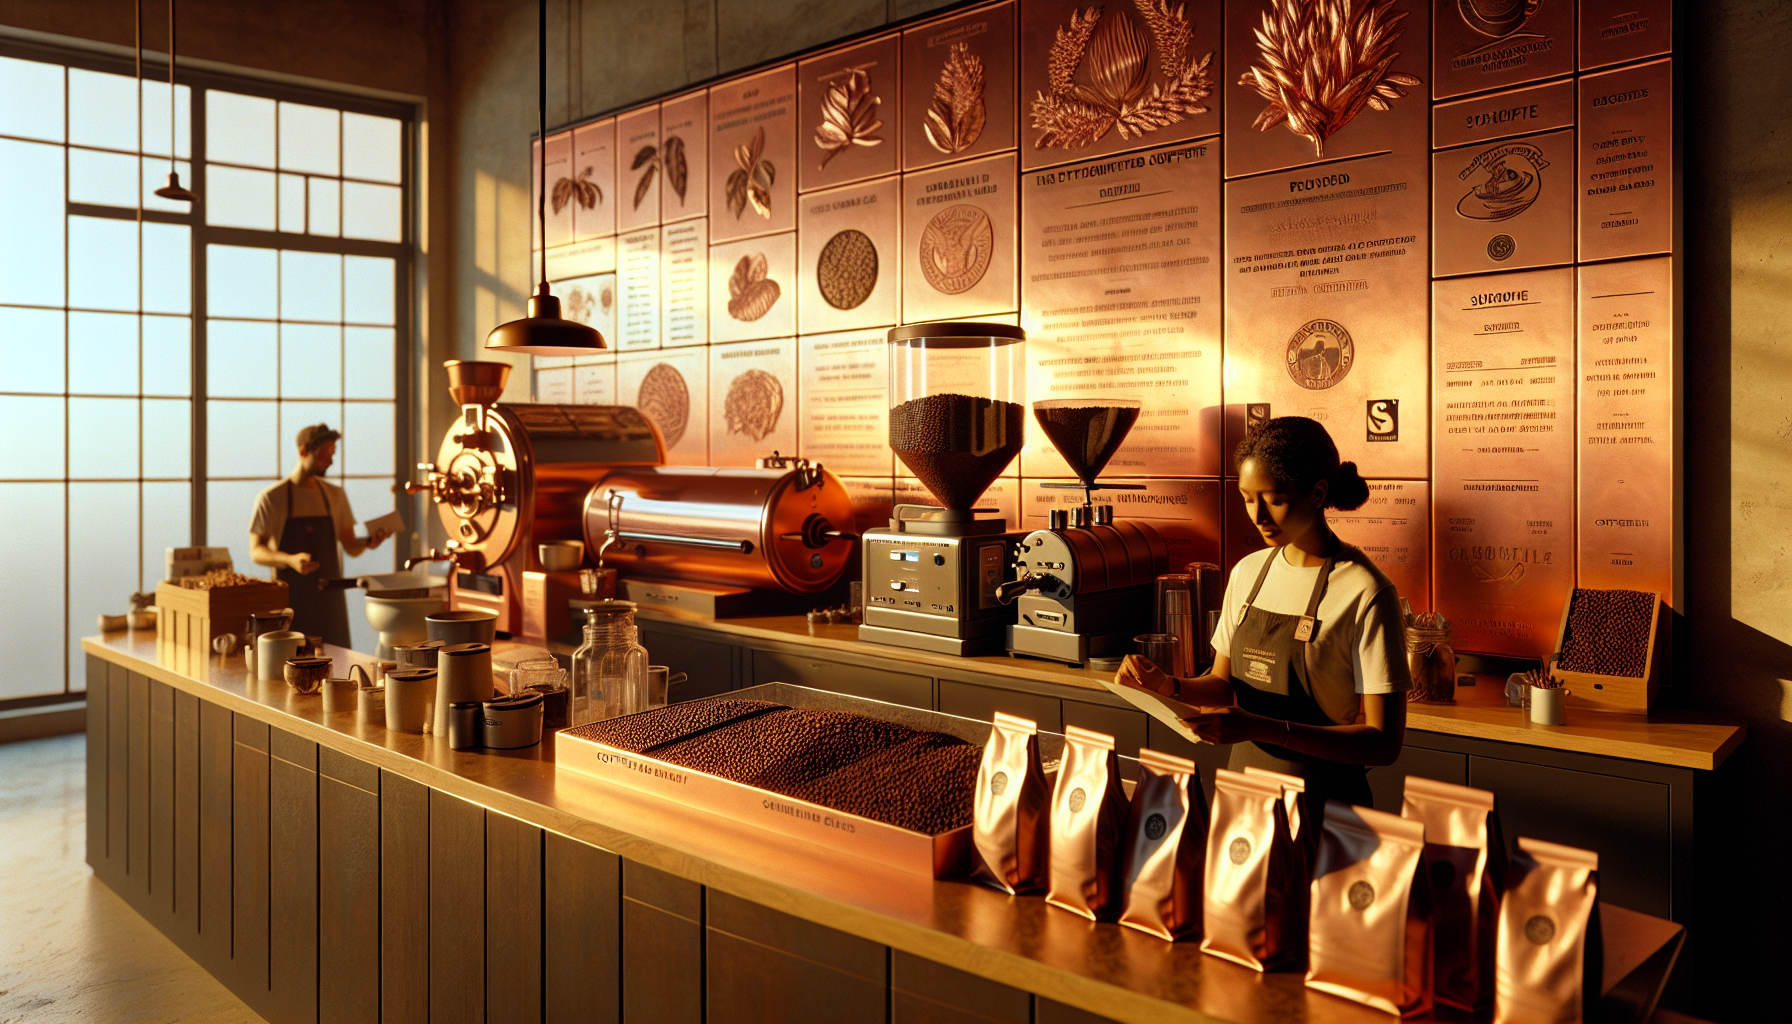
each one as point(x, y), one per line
point(1160, 649)
point(464, 725)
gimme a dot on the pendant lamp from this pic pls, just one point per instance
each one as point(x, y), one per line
point(543, 332)
point(173, 189)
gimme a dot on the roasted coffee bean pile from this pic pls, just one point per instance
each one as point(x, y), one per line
point(781, 750)
point(674, 722)
point(1088, 435)
point(217, 579)
point(1608, 632)
point(924, 784)
point(957, 444)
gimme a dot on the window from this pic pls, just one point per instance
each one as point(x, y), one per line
point(157, 366)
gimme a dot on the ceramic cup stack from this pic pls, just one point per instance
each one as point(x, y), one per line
point(463, 674)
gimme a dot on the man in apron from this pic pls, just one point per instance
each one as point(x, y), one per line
point(297, 524)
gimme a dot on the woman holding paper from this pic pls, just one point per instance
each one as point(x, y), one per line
point(1309, 675)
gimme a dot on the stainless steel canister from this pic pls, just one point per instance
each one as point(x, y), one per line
point(512, 722)
point(1176, 617)
point(465, 727)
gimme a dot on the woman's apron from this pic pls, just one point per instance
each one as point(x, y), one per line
point(1270, 678)
point(315, 612)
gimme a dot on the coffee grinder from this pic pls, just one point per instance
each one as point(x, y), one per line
point(1085, 585)
point(956, 422)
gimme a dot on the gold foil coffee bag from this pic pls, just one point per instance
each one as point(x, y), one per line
point(1465, 858)
point(1088, 814)
point(1303, 827)
point(1548, 960)
point(1166, 848)
point(1253, 908)
point(1369, 936)
point(1011, 823)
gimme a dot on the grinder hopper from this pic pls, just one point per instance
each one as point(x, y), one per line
point(956, 418)
point(1087, 432)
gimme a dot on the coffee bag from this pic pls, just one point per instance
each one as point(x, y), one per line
point(1166, 848)
point(1548, 959)
point(1011, 822)
point(1303, 827)
point(1465, 859)
point(1254, 885)
point(1088, 816)
point(1369, 936)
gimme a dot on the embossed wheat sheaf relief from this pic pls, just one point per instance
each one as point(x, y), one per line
point(751, 181)
point(1099, 76)
point(955, 118)
point(848, 115)
point(1320, 62)
point(582, 188)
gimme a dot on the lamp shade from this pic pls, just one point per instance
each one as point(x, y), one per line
point(543, 332)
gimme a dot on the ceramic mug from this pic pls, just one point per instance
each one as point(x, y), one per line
point(1547, 706)
point(307, 674)
point(410, 693)
point(370, 703)
point(339, 694)
point(272, 650)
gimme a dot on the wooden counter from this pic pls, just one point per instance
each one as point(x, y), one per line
point(281, 846)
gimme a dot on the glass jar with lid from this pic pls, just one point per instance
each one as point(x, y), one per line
point(609, 672)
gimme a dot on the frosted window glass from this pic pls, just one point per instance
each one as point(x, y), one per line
point(31, 221)
point(102, 563)
point(102, 439)
point(155, 175)
point(372, 147)
point(310, 361)
point(167, 268)
point(295, 416)
point(167, 355)
point(167, 438)
point(39, 419)
point(102, 353)
point(242, 439)
point(229, 505)
point(102, 255)
point(238, 129)
point(242, 281)
point(367, 438)
point(31, 349)
point(367, 356)
point(100, 110)
point(30, 99)
point(155, 122)
point(308, 139)
point(326, 207)
point(367, 289)
point(310, 286)
point(374, 212)
point(292, 203)
point(100, 178)
point(242, 360)
point(236, 198)
point(32, 550)
point(168, 523)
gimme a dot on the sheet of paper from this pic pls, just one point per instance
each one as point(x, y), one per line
point(1167, 710)
point(391, 522)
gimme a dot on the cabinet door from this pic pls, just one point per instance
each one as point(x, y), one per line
point(292, 880)
point(456, 910)
point(217, 837)
point(767, 965)
point(512, 921)
point(582, 933)
point(1128, 727)
point(923, 992)
point(348, 896)
point(662, 947)
point(97, 749)
point(709, 665)
point(970, 700)
point(404, 900)
point(249, 859)
point(857, 680)
point(1388, 783)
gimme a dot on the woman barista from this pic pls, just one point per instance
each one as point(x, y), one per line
point(1310, 630)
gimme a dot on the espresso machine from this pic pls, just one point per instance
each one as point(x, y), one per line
point(956, 422)
point(1085, 585)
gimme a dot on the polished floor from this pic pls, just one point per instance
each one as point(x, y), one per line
point(71, 950)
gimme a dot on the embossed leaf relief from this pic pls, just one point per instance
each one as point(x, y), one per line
point(848, 115)
point(678, 173)
point(1320, 62)
point(955, 118)
point(582, 188)
point(750, 293)
point(751, 182)
point(647, 157)
point(1099, 76)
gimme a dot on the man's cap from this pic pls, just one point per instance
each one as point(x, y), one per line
point(317, 435)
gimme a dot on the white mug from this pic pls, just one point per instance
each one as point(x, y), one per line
point(271, 652)
point(1546, 706)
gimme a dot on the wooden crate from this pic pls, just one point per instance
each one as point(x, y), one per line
point(1623, 694)
point(188, 620)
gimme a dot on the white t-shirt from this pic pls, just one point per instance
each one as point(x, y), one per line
point(1361, 644)
point(271, 510)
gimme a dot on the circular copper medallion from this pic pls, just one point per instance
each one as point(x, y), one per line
point(665, 400)
point(998, 784)
point(1361, 894)
point(955, 248)
point(1078, 799)
point(846, 271)
point(1155, 827)
point(1320, 354)
point(1239, 851)
point(1540, 929)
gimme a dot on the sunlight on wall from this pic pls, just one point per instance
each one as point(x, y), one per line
point(1760, 417)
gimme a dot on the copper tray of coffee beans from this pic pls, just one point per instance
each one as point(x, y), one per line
point(884, 782)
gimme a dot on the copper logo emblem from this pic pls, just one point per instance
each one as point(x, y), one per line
point(1361, 894)
point(955, 249)
point(1320, 354)
point(1155, 827)
point(1239, 851)
point(998, 784)
point(1079, 799)
point(1540, 929)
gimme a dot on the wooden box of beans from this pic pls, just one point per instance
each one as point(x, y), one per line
point(1607, 652)
point(878, 781)
point(190, 617)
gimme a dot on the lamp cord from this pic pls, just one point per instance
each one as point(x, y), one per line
point(541, 110)
point(172, 165)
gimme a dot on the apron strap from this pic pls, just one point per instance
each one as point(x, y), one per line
point(325, 495)
point(1309, 623)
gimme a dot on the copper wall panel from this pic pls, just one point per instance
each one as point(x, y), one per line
point(1259, 133)
point(958, 75)
point(752, 401)
point(553, 385)
point(639, 169)
point(1503, 463)
point(870, 500)
point(752, 288)
point(1326, 306)
point(591, 301)
point(684, 145)
point(671, 387)
point(1503, 205)
point(559, 168)
point(581, 259)
point(1392, 528)
point(592, 188)
point(1499, 115)
point(1139, 74)
point(850, 127)
point(1120, 296)
point(1614, 31)
point(1480, 47)
point(1628, 467)
point(684, 283)
point(1185, 512)
point(1627, 161)
point(843, 402)
point(958, 241)
point(1002, 497)
point(849, 270)
point(638, 278)
point(753, 134)
point(595, 383)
